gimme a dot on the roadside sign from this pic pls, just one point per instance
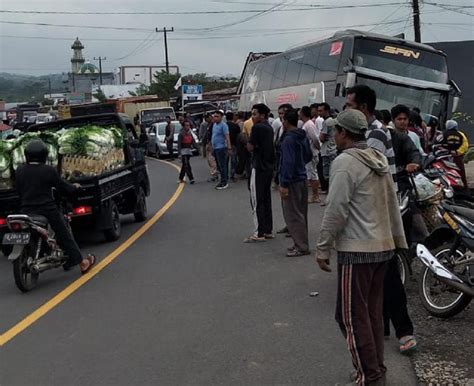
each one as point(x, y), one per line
point(191, 92)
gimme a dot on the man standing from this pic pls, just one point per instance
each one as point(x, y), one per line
point(234, 131)
point(278, 136)
point(328, 146)
point(205, 133)
point(312, 166)
point(364, 99)
point(260, 145)
point(169, 137)
point(407, 156)
point(362, 220)
point(222, 148)
point(295, 154)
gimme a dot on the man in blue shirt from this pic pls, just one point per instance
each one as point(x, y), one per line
point(222, 147)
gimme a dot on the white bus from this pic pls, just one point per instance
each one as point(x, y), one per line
point(399, 71)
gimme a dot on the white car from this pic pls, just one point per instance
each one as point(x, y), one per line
point(156, 139)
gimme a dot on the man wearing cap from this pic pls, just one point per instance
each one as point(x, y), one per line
point(362, 222)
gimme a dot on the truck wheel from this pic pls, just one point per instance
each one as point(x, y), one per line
point(113, 233)
point(6, 250)
point(158, 153)
point(140, 209)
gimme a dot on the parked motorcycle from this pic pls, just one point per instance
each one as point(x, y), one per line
point(446, 284)
point(442, 160)
point(35, 249)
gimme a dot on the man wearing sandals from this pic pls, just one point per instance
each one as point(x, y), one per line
point(295, 154)
point(362, 222)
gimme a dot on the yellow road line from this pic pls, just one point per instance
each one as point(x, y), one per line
point(74, 286)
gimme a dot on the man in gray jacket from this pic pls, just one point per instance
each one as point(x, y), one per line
point(363, 223)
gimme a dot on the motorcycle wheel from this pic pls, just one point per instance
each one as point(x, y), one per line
point(438, 298)
point(25, 280)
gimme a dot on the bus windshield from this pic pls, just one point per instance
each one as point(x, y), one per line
point(388, 95)
point(409, 62)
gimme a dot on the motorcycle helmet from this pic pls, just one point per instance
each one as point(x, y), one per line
point(451, 124)
point(36, 151)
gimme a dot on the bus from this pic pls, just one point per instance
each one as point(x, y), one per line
point(399, 71)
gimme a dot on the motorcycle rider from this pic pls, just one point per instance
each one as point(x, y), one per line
point(456, 142)
point(34, 183)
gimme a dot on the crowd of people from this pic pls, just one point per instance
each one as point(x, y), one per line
point(359, 160)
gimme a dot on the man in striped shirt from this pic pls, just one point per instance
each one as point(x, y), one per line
point(363, 98)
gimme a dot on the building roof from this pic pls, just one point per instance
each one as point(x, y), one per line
point(88, 68)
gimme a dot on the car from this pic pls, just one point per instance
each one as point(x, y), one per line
point(156, 139)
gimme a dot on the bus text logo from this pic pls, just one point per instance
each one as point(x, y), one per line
point(400, 51)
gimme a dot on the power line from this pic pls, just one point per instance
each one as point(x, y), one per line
point(251, 33)
point(76, 26)
point(307, 7)
point(452, 8)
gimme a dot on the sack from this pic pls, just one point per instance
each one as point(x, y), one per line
point(425, 188)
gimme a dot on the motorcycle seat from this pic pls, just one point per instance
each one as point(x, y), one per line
point(460, 210)
point(39, 220)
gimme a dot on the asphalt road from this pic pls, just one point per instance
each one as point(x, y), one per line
point(187, 304)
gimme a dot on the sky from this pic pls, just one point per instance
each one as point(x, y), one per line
point(216, 41)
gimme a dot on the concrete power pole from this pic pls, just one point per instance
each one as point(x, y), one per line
point(100, 59)
point(416, 20)
point(164, 30)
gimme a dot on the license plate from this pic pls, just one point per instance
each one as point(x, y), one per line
point(16, 238)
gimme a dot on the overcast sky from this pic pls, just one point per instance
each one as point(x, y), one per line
point(217, 50)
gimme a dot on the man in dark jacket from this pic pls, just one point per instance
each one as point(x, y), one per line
point(407, 156)
point(295, 154)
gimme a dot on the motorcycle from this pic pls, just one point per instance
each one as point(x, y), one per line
point(35, 249)
point(446, 284)
point(442, 160)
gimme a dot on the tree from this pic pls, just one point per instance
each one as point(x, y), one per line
point(99, 95)
point(163, 85)
point(141, 90)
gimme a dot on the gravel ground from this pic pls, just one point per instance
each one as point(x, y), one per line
point(445, 347)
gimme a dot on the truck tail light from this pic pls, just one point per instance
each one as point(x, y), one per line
point(3, 222)
point(82, 210)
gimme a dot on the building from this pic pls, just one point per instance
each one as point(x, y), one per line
point(460, 70)
point(141, 74)
point(84, 75)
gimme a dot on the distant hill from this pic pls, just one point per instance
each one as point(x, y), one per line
point(16, 87)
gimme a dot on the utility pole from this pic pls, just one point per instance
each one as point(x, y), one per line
point(164, 30)
point(100, 59)
point(416, 20)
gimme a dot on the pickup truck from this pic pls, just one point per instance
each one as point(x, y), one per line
point(102, 198)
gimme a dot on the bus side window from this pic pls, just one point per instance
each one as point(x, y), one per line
point(329, 63)
point(295, 60)
point(280, 71)
point(266, 75)
point(309, 66)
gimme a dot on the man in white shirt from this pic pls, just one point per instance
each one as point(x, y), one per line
point(318, 121)
point(312, 166)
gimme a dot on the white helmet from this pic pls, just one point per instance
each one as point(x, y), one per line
point(451, 124)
